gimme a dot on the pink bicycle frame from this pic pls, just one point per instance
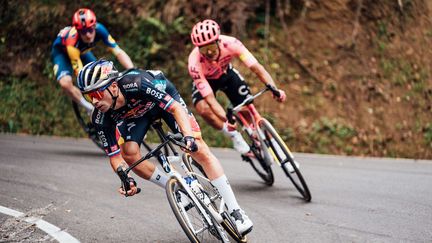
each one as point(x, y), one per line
point(254, 117)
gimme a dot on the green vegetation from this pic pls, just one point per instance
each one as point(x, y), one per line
point(326, 133)
point(36, 109)
point(338, 97)
point(427, 134)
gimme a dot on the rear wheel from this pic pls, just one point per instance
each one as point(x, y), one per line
point(214, 196)
point(192, 220)
point(282, 155)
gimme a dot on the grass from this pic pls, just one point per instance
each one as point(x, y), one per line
point(34, 108)
point(326, 133)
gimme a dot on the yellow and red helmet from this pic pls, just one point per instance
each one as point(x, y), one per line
point(83, 18)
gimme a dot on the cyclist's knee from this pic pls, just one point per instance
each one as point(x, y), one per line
point(203, 152)
point(130, 152)
point(66, 82)
point(203, 108)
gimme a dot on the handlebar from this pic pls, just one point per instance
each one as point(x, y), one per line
point(125, 181)
point(249, 100)
point(175, 138)
point(273, 90)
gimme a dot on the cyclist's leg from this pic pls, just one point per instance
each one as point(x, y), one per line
point(237, 91)
point(63, 73)
point(203, 108)
point(213, 169)
point(132, 132)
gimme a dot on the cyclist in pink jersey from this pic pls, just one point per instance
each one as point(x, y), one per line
point(210, 67)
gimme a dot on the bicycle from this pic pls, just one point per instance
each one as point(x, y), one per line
point(266, 145)
point(205, 218)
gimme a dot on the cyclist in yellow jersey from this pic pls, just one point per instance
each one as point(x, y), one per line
point(72, 49)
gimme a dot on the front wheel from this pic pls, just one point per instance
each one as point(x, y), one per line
point(282, 156)
point(213, 194)
point(259, 161)
point(191, 218)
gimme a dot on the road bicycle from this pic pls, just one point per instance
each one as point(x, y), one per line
point(267, 147)
point(205, 218)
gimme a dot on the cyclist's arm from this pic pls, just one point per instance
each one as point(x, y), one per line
point(215, 106)
point(251, 62)
point(203, 86)
point(116, 161)
point(182, 118)
point(113, 47)
point(74, 56)
point(123, 58)
point(69, 40)
point(262, 74)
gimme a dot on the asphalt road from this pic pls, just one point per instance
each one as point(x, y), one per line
point(69, 183)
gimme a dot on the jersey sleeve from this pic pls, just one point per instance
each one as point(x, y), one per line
point(107, 39)
point(242, 52)
point(160, 97)
point(74, 56)
point(197, 74)
point(69, 40)
point(107, 132)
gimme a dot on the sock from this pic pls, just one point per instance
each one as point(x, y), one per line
point(224, 188)
point(227, 131)
point(88, 106)
point(159, 178)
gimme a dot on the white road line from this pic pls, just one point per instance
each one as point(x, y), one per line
point(50, 229)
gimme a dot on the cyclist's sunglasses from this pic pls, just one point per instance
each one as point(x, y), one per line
point(98, 94)
point(86, 30)
point(210, 48)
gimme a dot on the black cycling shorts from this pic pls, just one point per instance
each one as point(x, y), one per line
point(134, 129)
point(231, 83)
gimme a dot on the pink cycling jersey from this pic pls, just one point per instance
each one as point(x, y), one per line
point(201, 68)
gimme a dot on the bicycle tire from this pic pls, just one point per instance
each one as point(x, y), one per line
point(172, 187)
point(258, 161)
point(86, 126)
point(296, 177)
point(193, 166)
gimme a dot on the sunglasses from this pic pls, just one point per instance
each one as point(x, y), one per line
point(97, 94)
point(86, 30)
point(209, 49)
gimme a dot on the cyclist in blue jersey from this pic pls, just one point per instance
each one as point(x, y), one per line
point(72, 49)
point(133, 100)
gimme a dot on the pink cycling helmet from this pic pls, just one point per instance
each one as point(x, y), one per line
point(205, 32)
point(83, 18)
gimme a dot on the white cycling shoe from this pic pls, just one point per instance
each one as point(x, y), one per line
point(290, 168)
point(240, 144)
point(242, 221)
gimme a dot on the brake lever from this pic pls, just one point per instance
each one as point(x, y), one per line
point(230, 116)
point(125, 182)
